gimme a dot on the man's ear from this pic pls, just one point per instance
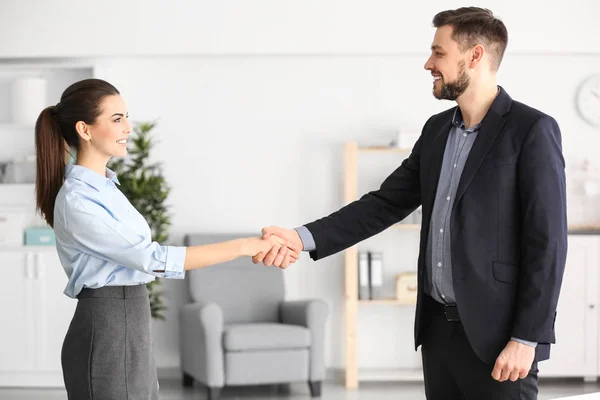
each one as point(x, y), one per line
point(477, 53)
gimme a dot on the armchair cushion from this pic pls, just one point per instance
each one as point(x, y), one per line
point(265, 336)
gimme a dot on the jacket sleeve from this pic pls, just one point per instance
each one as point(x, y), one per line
point(398, 196)
point(542, 191)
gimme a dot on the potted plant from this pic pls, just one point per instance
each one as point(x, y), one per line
point(143, 184)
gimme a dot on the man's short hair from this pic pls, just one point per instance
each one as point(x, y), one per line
point(473, 25)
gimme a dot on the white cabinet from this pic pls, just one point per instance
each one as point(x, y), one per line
point(576, 352)
point(16, 352)
point(35, 317)
point(55, 310)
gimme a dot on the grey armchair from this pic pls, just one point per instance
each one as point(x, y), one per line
point(238, 330)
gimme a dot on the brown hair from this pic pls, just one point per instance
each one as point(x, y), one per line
point(473, 25)
point(55, 132)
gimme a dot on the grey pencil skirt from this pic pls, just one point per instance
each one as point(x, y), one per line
point(107, 352)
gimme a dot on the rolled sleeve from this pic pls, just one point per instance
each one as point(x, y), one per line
point(175, 262)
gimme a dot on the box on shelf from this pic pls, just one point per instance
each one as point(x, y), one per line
point(406, 287)
point(39, 236)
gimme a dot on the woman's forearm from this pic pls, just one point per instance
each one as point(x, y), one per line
point(211, 254)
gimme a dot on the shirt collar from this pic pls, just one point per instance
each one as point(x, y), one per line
point(457, 121)
point(499, 102)
point(90, 177)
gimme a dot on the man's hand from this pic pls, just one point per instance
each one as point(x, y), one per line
point(279, 257)
point(255, 245)
point(514, 362)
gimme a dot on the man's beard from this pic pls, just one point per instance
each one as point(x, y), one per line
point(452, 90)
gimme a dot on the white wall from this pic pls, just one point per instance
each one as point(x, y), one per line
point(256, 100)
point(34, 28)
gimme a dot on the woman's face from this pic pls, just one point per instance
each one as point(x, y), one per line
point(107, 137)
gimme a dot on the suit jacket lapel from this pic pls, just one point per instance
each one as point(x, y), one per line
point(491, 126)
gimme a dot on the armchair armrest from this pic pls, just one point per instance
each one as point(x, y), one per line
point(201, 349)
point(311, 314)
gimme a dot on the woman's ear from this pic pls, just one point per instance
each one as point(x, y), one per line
point(83, 130)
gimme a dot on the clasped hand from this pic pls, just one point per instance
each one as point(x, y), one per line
point(278, 247)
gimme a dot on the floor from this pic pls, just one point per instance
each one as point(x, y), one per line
point(172, 390)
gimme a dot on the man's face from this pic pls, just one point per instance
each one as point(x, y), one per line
point(447, 65)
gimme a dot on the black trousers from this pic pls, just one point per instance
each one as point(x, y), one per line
point(452, 370)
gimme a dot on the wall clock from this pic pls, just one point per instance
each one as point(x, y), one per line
point(588, 100)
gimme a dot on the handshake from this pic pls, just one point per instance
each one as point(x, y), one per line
point(277, 246)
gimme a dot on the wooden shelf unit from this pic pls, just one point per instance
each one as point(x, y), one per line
point(352, 374)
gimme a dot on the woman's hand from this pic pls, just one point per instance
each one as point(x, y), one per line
point(279, 259)
point(255, 245)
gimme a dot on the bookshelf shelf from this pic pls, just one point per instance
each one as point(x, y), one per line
point(584, 229)
point(13, 126)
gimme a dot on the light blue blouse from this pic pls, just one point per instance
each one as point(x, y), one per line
point(102, 240)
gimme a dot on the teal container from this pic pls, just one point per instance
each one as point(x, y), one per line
point(39, 236)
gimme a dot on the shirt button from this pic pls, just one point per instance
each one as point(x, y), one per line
point(441, 231)
point(465, 134)
point(454, 165)
point(448, 198)
point(443, 297)
point(439, 264)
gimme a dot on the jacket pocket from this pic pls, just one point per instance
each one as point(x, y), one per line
point(504, 272)
point(498, 162)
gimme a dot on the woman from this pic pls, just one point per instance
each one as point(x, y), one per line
point(105, 246)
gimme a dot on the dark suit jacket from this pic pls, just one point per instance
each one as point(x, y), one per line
point(508, 224)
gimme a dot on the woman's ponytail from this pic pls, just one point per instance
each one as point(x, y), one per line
point(51, 150)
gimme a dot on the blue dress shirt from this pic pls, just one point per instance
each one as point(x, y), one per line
point(102, 240)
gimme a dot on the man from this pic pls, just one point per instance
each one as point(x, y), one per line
point(489, 175)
